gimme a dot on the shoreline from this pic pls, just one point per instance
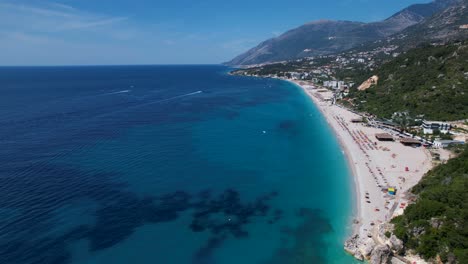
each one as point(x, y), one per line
point(349, 160)
point(374, 166)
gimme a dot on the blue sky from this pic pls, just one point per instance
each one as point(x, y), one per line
point(84, 32)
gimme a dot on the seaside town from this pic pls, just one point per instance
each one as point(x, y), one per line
point(323, 69)
point(321, 79)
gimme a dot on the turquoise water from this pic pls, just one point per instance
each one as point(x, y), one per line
point(209, 168)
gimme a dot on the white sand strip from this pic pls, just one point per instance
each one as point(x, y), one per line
point(375, 165)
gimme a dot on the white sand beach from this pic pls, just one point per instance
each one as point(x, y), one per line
point(376, 165)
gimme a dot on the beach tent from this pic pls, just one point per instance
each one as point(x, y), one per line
point(392, 191)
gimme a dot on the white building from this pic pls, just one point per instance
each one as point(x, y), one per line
point(295, 75)
point(340, 85)
point(430, 126)
point(332, 84)
point(446, 143)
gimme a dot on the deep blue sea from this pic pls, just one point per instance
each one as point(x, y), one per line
point(166, 164)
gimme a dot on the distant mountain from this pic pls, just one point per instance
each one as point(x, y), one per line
point(318, 37)
point(326, 36)
point(427, 10)
point(448, 25)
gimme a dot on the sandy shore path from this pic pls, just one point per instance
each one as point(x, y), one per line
point(375, 165)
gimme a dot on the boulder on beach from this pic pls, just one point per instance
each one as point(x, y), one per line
point(381, 255)
point(369, 247)
point(396, 245)
point(351, 246)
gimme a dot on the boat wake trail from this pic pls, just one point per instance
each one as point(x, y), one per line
point(150, 103)
point(169, 99)
point(119, 92)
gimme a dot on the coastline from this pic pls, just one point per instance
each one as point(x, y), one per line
point(374, 166)
point(348, 155)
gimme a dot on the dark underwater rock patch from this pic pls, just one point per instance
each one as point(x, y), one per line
point(288, 127)
point(234, 214)
point(304, 243)
point(205, 254)
point(26, 239)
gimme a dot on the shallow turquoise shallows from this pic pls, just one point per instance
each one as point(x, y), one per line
point(167, 164)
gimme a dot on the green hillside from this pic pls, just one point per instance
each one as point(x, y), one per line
point(437, 224)
point(430, 81)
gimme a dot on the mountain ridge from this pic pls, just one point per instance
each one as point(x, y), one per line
point(324, 37)
point(448, 25)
